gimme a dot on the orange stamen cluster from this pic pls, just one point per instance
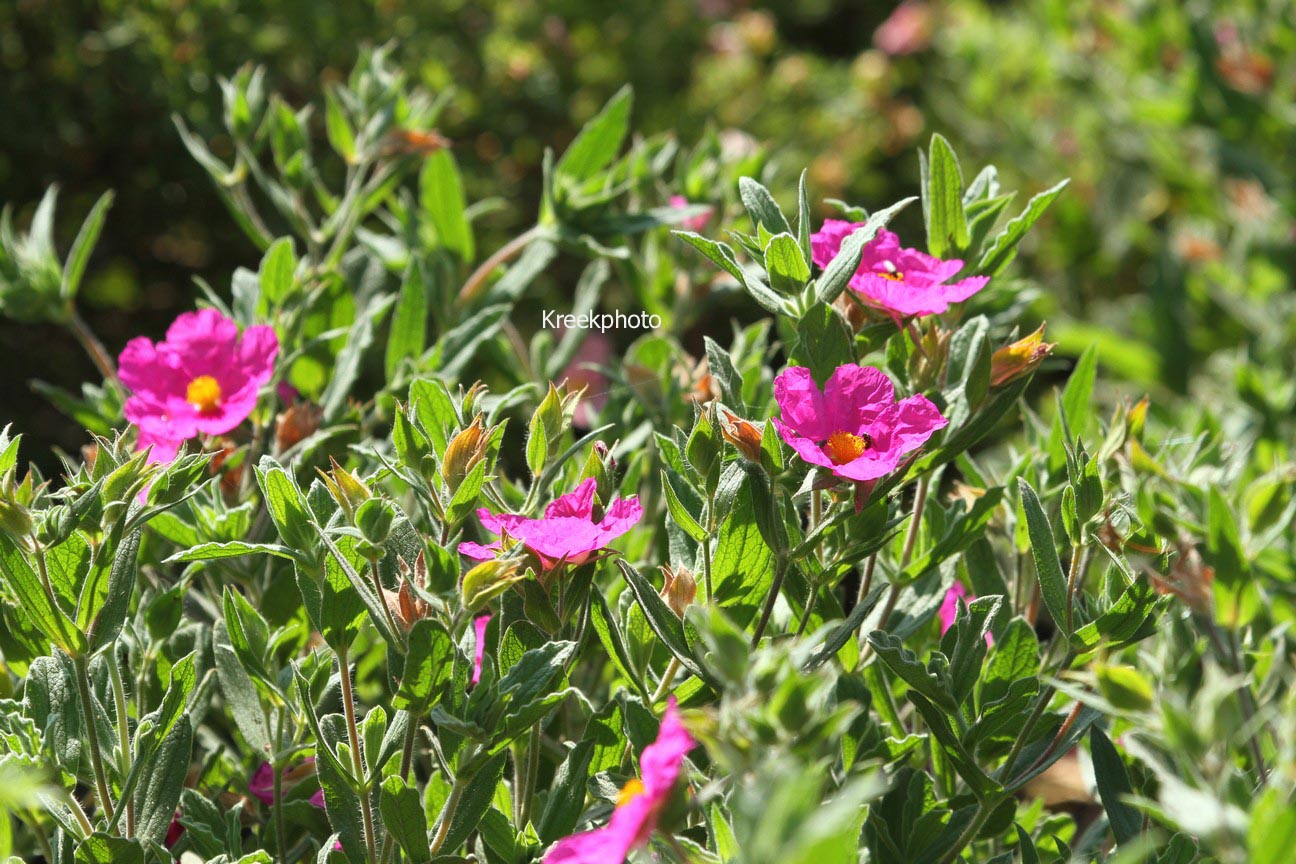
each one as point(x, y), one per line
point(843, 447)
point(633, 788)
point(204, 393)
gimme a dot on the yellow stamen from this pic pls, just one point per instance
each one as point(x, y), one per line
point(895, 276)
point(204, 393)
point(843, 447)
point(631, 790)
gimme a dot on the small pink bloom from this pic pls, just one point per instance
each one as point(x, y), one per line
point(174, 831)
point(907, 30)
point(585, 370)
point(261, 785)
point(204, 378)
point(692, 223)
point(566, 533)
point(640, 804)
point(479, 626)
point(854, 426)
point(950, 605)
point(901, 282)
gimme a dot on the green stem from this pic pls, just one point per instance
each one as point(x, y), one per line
point(532, 772)
point(281, 831)
point(477, 281)
point(123, 736)
point(447, 813)
point(706, 549)
point(969, 834)
point(668, 677)
point(1072, 584)
point(92, 732)
point(90, 342)
point(357, 762)
point(382, 598)
point(1045, 697)
point(780, 570)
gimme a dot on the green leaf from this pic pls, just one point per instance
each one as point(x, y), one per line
point(679, 513)
point(27, 589)
point(402, 813)
point(1001, 252)
point(935, 685)
point(1113, 785)
point(338, 128)
point(441, 197)
point(473, 804)
point(947, 230)
point(100, 848)
point(1272, 833)
point(723, 257)
point(599, 140)
point(276, 275)
point(346, 369)
point(567, 795)
point(1048, 566)
point(786, 264)
point(660, 618)
point(79, 255)
point(609, 634)
point(232, 549)
point(824, 342)
point(762, 207)
point(159, 793)
point(408, 335)
point(428, 666)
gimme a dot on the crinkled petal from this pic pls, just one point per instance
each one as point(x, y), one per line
point(578, 503)
point(871, 465)
point(611, 843)
point(659, 764)
point(802, 403)
point(623, 515)
point(805, 448)
point(477, 551)
point(205, 326)
point(913, 421)
point(826, 242)
point(855, 395)
point(480, 624)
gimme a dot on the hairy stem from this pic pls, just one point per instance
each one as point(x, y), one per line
point(357, 762)
point(123, 737)
point(82, 667)
point(668, 677)
point(448, 811)
point(90, 342)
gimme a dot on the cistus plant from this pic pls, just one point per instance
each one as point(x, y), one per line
point(359, 567)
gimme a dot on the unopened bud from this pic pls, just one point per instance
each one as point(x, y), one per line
point(374, 519)
point(346, 488)
point(679, 590)
point(463, 453)
point(296, 423)
point(1018, 358)
point(743, 434)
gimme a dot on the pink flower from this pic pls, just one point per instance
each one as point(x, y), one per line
point(585, 370)
point(479, 625)
point(174, 831)
point(854, 427)
point(567, 533)
point(901, 282)
point(949, 607)
point(262, 783)
point(907, 30)
point(202, 379)
point(692, 223)
point(640, 804)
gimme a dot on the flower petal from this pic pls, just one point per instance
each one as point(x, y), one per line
point(855, 395)
point(802, 403)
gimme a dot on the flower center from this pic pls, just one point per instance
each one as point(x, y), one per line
point(893, 275)
point(843, 447)
point(631, 790)
point(204, 393)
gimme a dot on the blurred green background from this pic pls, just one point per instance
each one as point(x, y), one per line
point(1172, 248)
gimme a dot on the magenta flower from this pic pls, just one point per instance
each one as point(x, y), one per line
point(854, 427)
point(901, 282)
point(261, 785)
point(949, 607)
point(692, 223)
point(907, 30)
point(566, 534)
point(640, 804)
point(479, 625)
point(202, 379)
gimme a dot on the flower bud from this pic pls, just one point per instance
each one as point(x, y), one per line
point(1018, 358)
point(743, 434)
point(463, 453)
point(296, 423)
point(679, 590)
point(15, 519)
point(346, 488)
